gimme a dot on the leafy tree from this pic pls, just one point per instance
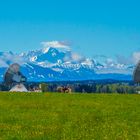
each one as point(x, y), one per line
point(44, 87)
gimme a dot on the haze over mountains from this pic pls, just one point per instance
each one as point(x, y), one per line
point(62, 64)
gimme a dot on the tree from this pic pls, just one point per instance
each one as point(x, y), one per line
point(44, 87)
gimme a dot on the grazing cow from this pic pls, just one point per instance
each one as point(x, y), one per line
point(64, 89)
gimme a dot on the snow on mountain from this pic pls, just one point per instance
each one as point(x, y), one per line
point(51, 64)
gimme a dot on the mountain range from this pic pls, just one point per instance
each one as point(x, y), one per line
point(51, 64)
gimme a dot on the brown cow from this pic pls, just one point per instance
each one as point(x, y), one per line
point(64, 89)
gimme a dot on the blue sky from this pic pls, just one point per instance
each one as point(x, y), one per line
point(92, 27)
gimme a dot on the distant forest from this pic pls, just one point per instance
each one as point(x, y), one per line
point(100, 86)
point(122, 87)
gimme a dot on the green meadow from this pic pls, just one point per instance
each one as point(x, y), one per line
point(56, 116)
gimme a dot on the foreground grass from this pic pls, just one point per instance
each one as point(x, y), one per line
point(50, 116)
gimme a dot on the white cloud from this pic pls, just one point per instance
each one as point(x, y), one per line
point(109, 61)
point(7, 58)
point(124, 60)
point(56, 44)
point(132, 59)
point(136, 57)
point(76, 57)
point(3, 64)
point(73, 57)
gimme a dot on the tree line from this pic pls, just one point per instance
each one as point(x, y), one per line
point(121, 88)
point(94, 88)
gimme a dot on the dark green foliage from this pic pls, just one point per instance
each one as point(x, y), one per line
point(106, 88)
point(121, 88)
point(44, 87)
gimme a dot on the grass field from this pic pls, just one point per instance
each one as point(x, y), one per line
point(51, 116)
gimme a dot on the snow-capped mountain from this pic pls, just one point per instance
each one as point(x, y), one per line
point(51, 64)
